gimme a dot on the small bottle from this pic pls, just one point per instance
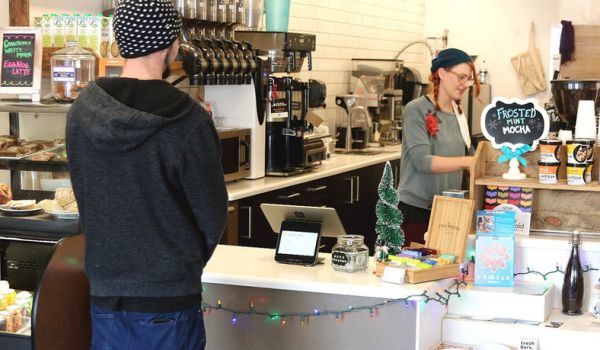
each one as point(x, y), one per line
point(572, 290)
point(596, 309)
point(482, 75)
point(470, 275)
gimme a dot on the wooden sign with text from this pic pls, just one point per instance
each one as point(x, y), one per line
point(21, 60)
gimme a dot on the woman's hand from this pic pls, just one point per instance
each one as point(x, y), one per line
point(442, 165)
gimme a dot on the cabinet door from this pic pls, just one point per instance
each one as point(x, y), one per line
point(355, 200)
point(230, 236)
point(352, 201)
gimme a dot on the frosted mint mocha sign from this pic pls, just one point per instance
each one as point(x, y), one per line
point(514, 123)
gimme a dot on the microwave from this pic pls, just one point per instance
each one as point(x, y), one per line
point(235, 152)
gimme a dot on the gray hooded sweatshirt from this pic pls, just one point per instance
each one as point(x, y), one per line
point(151, 193)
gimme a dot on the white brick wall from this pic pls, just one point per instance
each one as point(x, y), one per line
point(347, 29)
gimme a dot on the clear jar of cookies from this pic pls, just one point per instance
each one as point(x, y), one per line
point(72, 68)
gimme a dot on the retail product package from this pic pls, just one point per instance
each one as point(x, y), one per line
point(529, 69)
point(511, 198)
point(456, 193)
point(494, 248)
point(448, 230)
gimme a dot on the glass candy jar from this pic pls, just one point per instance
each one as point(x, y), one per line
point(350, 254)
point(72, 68)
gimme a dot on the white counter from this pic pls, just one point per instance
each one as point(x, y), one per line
point(256, 267)
point(237, 277)
point(337, 164)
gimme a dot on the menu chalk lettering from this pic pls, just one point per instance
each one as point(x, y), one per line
point(18, 54)
point(514, 122)
point(21, 63)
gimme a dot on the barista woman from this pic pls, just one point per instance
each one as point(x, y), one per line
point(435, 140)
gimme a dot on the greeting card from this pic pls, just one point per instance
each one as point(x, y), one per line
point(494, 247)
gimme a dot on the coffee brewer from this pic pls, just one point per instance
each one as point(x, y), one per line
point(291, 146)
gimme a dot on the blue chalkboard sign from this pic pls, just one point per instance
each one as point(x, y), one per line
point(514, 123)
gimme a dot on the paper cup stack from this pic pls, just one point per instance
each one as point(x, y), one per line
point(585, 125)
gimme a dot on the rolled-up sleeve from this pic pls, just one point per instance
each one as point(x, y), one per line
point(416, 140)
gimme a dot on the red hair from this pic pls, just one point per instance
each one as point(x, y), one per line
point(434, 78)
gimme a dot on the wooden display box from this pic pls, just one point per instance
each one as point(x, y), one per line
point(448, 231)
point(556, 207)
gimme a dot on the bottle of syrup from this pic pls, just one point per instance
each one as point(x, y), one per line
point(572, 290)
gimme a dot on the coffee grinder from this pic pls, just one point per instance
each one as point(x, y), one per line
point(373, 79)
point(353, 123)
point(228, 76)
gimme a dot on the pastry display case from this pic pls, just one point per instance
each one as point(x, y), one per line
point(33, 162)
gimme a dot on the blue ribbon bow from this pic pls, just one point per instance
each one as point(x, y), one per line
point(510, 154)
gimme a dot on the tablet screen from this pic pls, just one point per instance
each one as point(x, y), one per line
point(298, 242)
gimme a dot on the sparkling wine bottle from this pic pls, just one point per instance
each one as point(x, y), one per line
point(572, 290)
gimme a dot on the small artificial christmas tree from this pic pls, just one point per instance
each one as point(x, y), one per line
point(390, 237)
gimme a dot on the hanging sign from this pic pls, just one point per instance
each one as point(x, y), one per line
point(21, 60)
point(515, 127)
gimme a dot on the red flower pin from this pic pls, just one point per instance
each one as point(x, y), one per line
point(432, 123)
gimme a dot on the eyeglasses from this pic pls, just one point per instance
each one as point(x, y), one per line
point(463, 78)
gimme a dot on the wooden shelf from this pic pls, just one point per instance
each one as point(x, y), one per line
point(19, 106)
point(594, 186)
point(559, 207)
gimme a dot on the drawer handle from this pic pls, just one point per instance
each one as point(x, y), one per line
point(357, 190)
point(249, 209)
point(291, 195)
point(317, 188)
point(351, 180)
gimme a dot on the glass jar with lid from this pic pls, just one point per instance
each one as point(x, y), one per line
point(350, 254)
point(72, 68)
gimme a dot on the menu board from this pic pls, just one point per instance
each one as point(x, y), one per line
point(21, 58)
point(18, 52)
point(514, 123)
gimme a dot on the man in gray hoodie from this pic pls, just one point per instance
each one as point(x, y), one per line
point(145, 166)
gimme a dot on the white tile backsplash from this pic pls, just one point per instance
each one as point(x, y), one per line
point(347, 29)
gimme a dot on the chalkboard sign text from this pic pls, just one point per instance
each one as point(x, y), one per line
point(514, 123)
point(18, 53)
point(21, 62)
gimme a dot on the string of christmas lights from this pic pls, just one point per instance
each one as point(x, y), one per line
point(442, 298)
point(587, 268)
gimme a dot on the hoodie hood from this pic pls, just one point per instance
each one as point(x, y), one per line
point(113, 126)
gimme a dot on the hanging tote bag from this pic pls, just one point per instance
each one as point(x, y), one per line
point(529, 69)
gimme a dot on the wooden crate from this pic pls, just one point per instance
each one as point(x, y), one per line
point(449, 227)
